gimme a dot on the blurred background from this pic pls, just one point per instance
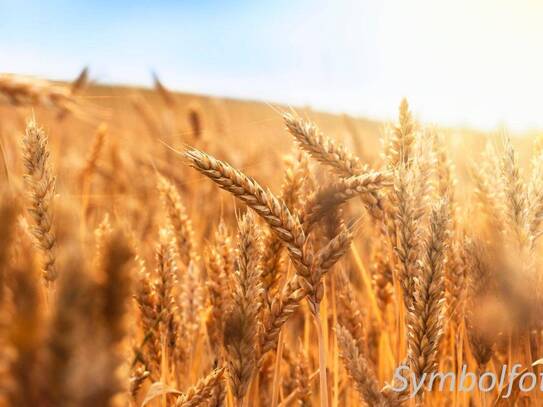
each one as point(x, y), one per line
point(460, 63)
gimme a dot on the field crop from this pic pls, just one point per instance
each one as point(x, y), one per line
point(164, 249)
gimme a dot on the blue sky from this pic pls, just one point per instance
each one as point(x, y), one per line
point(472, 62)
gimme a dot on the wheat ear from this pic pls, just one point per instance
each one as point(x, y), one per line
point(115, 293)
point(81, 82)
point(359, 370)
point(167, 305)
point(480, 284)
point(40, 184)
point(321, 148)
point(179, 221)
point(400, 145)
point(241, 324)
point(201, 391)
point(25, 90)
point(535, 198)
point(94, 155)
point(514, 194)
point(265, 204)
point(425, 318)
point(167, 96)
point(275, 213)
point(295, 181)
point(281, 309)
point(406, 233)
point(64, 331)
point(302, 381)
point(350, 312)
point(366, 186)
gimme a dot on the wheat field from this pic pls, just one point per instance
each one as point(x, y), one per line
point(164, 249)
